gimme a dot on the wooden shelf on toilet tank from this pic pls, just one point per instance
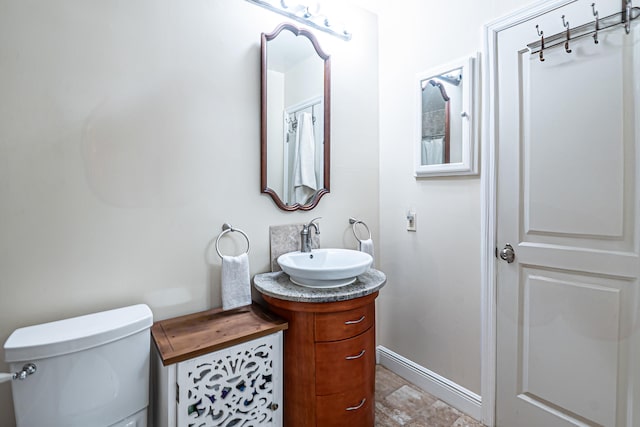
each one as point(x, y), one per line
point(185, 337)
point(219, 364)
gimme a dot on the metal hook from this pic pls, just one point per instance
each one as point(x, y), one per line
point(566, 43)
point(541, 35)
point(595, 13)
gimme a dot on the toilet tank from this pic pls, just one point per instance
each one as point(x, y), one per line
point(92, 371)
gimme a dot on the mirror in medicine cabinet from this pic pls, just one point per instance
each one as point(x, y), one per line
point(446, 123)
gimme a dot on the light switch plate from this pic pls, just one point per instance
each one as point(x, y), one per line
point(411, 221)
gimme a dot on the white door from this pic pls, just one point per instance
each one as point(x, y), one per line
point(567, 133)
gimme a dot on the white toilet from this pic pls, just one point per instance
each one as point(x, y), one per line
point(90, 371)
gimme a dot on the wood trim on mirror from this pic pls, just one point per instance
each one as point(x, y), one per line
point(264, 188)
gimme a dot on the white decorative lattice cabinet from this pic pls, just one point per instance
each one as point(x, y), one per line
point(219, 369)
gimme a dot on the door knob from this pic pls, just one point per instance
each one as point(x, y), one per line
point(507, 253)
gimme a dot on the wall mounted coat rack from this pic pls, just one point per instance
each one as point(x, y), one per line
point(624, 17)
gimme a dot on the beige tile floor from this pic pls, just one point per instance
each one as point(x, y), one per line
point(400, 403)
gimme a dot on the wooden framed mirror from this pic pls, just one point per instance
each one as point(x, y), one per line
point(295, 118)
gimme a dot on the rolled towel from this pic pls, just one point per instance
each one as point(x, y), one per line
point(366, 246)
point(236, 282)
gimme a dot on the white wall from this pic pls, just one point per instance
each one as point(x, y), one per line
point(129, 133)
point(275, 130)
point(304, 81)
point(430, 310)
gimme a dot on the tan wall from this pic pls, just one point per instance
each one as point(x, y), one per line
point(430, 310)
point(129, 133)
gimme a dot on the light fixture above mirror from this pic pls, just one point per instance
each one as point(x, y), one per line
point(308, 12)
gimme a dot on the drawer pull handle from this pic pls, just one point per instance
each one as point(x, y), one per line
point(357, 356)
point(355, 408)
point(354, 322)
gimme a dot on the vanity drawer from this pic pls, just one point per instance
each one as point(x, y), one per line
point(344, 324)
point(344, 365)
point(353, 408)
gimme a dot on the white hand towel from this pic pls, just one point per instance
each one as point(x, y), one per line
point(236, 283)
point(367, 247)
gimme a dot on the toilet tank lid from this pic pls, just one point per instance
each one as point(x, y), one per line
point(76, 334)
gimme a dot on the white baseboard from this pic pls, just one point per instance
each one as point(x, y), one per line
point(440, 387)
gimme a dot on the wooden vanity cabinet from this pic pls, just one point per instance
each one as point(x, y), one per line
point(329, 362)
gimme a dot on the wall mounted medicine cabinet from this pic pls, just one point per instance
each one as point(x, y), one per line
point(295, 118)
point(446, 122)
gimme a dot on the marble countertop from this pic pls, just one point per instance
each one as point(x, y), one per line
point(278, 285)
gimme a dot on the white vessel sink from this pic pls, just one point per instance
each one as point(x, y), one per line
point(325, 268)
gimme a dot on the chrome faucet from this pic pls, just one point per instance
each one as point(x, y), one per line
point(305, 235)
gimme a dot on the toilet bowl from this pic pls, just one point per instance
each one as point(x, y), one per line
point(87, 371)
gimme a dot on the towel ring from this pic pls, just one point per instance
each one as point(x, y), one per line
point(355, 222)
point(227, 228)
